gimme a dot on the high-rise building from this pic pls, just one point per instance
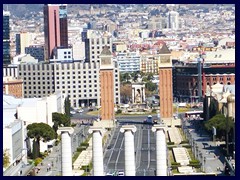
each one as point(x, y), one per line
point(6, 38)
point(63, 25)
point(36, 51)
point(51, 28)
point(94, 44)
point(23, 40)
point(173, 20)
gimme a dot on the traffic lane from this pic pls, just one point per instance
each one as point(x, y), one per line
point(111, 158)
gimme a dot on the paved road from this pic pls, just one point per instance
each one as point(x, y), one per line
point(144, 142)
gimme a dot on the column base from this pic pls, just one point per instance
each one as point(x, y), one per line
point(104, 123)
point(172, 122)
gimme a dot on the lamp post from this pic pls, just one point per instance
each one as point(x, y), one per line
point(204, 161)
point(24, 155)
point(226, 116)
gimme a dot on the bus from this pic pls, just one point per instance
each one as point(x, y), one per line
point(194, 114)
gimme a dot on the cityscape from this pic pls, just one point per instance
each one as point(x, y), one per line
point(118, 89)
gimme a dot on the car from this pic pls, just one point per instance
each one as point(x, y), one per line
point(195, 106)
point(80, 110)
point(72, 112)
point(120, 173)
point(109, 147)
point(109, 174)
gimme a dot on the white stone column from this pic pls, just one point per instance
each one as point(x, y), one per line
point(161, 150)
point(128, 130)
point(97, 153)
point(133, 95)
point(66, 150)
point(143, 93)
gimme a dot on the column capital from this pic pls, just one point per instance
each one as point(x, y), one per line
point(157, 127)
point(93, 129)
point(128, 127)
point(60, 130)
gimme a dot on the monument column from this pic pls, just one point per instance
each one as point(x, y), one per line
point(66, 150)
point(161, 150)
point(97, 150)
point(129, 130)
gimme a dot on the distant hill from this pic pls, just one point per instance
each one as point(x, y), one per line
point(22, 9)
point(26, 9)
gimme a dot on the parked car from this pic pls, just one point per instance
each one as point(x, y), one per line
point(120, 173)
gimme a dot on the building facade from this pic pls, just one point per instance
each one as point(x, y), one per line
point(149, 63)
point(217, 67)
point(128, 62)
point(94, 44)
point(79, 80)
point(36, 51)
point(6, 38)
point(51, 28)
point(23, 40)
point(13, 86)
point(63, 25)
point(173, 20)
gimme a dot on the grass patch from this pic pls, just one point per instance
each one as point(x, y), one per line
point(75, 156)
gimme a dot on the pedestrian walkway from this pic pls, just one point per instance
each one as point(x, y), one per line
point(50, 165)
point(205, 150)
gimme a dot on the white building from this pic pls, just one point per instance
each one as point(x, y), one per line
point(37, 110)
point(13, 130)
point(18, 113)
point(128, 62)
point(24, 58)
point(62, 55)
point(173, 20)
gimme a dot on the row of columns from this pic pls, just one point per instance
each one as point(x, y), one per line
point(130, 167)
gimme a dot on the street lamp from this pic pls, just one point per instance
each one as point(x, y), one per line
point(204, 161)
point(226, 116)
point(24, 155)
point(196, 151)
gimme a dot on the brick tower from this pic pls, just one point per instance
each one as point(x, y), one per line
point(107, 88)
point(165, 83)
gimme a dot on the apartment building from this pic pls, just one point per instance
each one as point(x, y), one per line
point(128, 62)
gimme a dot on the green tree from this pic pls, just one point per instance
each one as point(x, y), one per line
point(150, 86)
point(67, 106)
point(219, 121)
point(60, 119)
point(125, 77)
point(150, 76)
point(134, 75)
point(125, 92)
point(6, 158)
point(212, 108)
point(40, 131)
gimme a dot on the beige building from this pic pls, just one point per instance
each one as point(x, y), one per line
point(13, 86)
point(149, 62)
